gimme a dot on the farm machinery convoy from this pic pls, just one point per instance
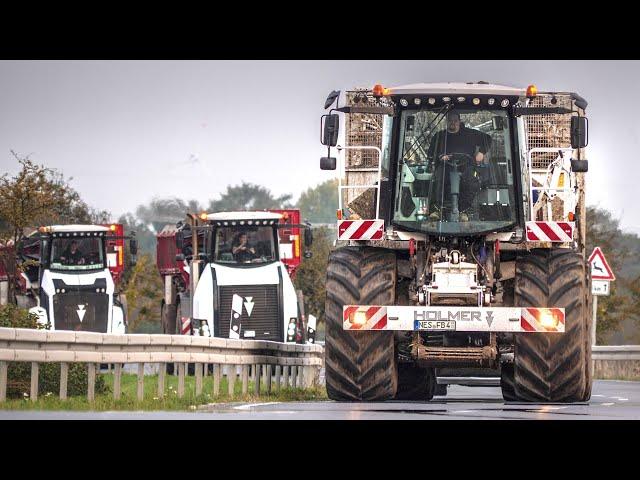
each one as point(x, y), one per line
point(461, 242)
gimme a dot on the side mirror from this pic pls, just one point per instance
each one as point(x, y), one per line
point(327, 163)
point(308, 237)
point(579, 166)
point(331, 98)
point(497, 123)
point(133, 246)
point(579, 132)
point(179, 240)
point(307, 254)
point(330, 129)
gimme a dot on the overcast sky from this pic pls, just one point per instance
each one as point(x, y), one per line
point(128, 131)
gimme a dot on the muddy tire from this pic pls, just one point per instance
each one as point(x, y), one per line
point(588, 373)
point(415, 383)
point(168, 320)
point(550, 367)
point(168, 315)
point(507, 383)
point(360, 366)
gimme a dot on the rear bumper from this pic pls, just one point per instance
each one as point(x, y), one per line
point(453, 319)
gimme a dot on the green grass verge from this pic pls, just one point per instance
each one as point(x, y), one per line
point(170, 401)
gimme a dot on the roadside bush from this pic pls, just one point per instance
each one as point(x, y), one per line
point(19, 373)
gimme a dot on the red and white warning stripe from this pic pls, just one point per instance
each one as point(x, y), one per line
point(374, 317)
point(542, 320)
point(360, 229)
point(550, 231)
point(186, 326)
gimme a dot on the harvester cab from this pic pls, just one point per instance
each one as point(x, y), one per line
point(70, 277)
point(228, 274)
point(463, 206)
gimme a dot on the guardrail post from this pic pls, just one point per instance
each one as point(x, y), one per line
point(267, 373)
point(231, 379)
point(198, 378)
point(64, 379)
point(294, 376)
point(91, 387)
point(161, 374)
point(140, 382)
point(117, 381)
point(3, 381)
point(278, 377)
point(256, 386)
point(205, 371)
point(181, 379)
point(245, 379)
point(285, 374)
point(35, 371)
point(216, 380)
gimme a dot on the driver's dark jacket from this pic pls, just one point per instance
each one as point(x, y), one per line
point(243, 255)
point(73, 258)
point(466, 140)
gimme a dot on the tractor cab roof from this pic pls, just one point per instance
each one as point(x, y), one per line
point(458, 88)
point(231, 216)
point(73, 228)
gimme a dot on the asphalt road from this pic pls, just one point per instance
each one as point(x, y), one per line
point(611, 400)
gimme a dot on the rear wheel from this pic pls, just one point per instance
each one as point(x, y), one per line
point(168, 315)
point(551, 367)
point(588, 373)
point(415, 383)
point(360, 366)
point(506, 383)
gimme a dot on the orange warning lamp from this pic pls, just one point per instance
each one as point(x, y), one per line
point(532, 91)
point(339, 214)
point(203, 216)
point(112, 228)
point(379, 91)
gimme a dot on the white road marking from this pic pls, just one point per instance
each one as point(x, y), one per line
point(250, 405)
point(607, 404)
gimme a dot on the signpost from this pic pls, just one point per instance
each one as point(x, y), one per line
point(601, 277)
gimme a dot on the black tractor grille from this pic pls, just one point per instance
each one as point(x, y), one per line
point(68, 308)
point(265, 318)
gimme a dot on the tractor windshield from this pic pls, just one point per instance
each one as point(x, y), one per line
point(77, 253)
point(455, 171)
point(241, 245)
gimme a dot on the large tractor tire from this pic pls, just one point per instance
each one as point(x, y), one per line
point(588, 373)
point(551, 367)
point(168, 315)
point(359, 366)
point(507, 383)
point(168, 318)
point(415, 383)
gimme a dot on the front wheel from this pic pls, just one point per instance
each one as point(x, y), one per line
point(360, 366)
point(553, 367)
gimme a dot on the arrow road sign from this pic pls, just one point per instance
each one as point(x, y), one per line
point(600, 269)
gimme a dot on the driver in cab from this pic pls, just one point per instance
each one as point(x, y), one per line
point(241, 250)
point(460, 148)
point(72, 255)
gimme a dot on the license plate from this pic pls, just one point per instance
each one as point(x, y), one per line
point(434, 325)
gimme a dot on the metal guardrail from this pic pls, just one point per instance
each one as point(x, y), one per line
point(295, 365)
point(616, 352)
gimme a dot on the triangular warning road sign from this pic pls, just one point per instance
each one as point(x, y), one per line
point(600, 269)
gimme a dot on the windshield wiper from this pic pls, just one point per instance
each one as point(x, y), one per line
point(418, 141)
